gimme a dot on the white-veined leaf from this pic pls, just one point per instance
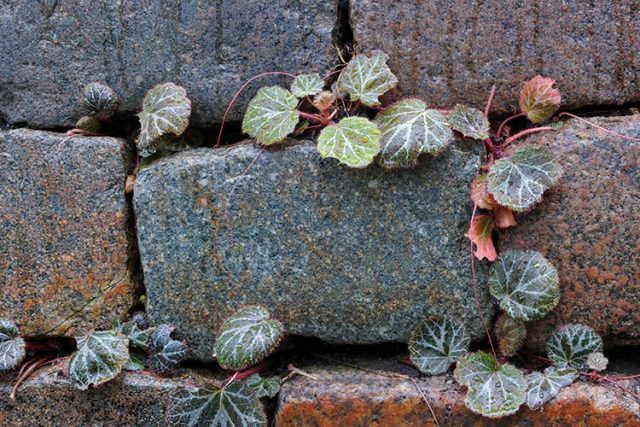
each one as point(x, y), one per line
point(539, 99)
point(271, 115)
point(571, 346)
point(367, 78)
point(354, 141)
point(247, 337)
point(12, 346)
point(137, 337)
point(409, 129)
point(236, 405)
point(597, 361)
point(264, 387)
point(493, 390)
point(520, 181)
point(165, 353)
point(99, 98)
point(165, 110)
point(469, 121)
point(100, 357)
point(510, 333)
point(525, 283)
point(137, 360)
point(543, 387)
point(307, 85)
point(437, 343)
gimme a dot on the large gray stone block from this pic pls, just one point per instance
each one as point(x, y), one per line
point(349, 256)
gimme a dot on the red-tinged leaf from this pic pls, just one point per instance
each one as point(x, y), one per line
point(503, 216)
point(480, 194)
point(539, 99)
point(480, 234)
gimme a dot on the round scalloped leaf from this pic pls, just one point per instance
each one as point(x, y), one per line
point(525, 283)
point(409, 129)
point(247, 337)
point(437, 343)
point(137, 337)
point(511, 334)
point(99, 98)
point(355, 141)
point(165, 110)
point(12, 346)
point(543, 387)
point(100, 357)
point(493, 390)
point(235, 405)
point(571, 346)
point(597, 361)
point(165, 353)
point(307, 85)
point(539, 99)
point(469, 121)
point(367, 78)
point(271, 115)
point(264, 387)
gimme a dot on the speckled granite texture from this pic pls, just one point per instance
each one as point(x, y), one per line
point(63, 232)
point(349, 256)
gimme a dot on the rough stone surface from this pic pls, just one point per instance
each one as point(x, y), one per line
point(589, 228)
point(63, 231)
point(449, 52)
point(349, 256)
point(345, 396)
point(52, 48)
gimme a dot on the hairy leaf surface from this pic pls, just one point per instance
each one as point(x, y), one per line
point(307, 85)
point(271, 115)
point(539, 99)
point(165, 353)
point(264, 387)
point(480, 234)
point(98, 98)
point(12, 346)
point(511, 334)
point(437, 343)
point(354, 141)
point(543, 387)
point(597, 361)
point(165, 110)
point(100, 357)
point(367, 78)
point(469, 121)
point(571, 346)
point(137, 337)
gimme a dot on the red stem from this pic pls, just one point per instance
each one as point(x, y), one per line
point(599, 127)
point(630, 377)
point(593, 375)
point(507, 120)
point(309, 116)
point(525, 132)
point(488, 107)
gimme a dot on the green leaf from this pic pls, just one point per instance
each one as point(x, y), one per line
point(100, 357)
point(247, 337)
point(597, 361)
point(571, 346)
point(12, 346)
point(525, 283)
point(409, 129)
point(367, 78)
point(264, 387)
point(469, 121)
point(165, 110)
point(543, 387)
point(307, 85)
point(98, 98)
point(539, 99)
point(236, 405)
point(165, 353)
point(437, 343)
point(354, 141)
point(511, 334)
point(493, 390)
point(173, 144)
point(137, 337)
point(137, 360)
point(271, 115)
point(520, 181)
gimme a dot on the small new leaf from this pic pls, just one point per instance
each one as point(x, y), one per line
point(520, 181)
point(571, 346)
point(271, 115)
point(12, 346)
point(480, 193)
point(137, 337)
point(354, 141)
point(525, 283)
point(510, 333)
point(234, 405)
point(409, 129)
point(543, 387)
point(469, 121)
point(367, 78)
point(437, 343)
point(247, 337)
point(264, 387)
point(98, 98)
point(165, 353)
point(493, 390)
point(539, 99)
point(165, 110)
point(597, 361)
point(307, 85)
point(100, 357)
point(480, 234)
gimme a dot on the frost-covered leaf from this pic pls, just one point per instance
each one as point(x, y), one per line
point(264, 387)
point(480, 234)
point(437, 343)
point(236, 405)
point(247, 337)
point(137, 337)
point(408, 129)
point(12, 347)
point(271, 115)
point(137, 360)
point(100, 357)
point(493, 390)
point(469, 121)
point(511, 334)
point(520, 181)
point(355, 141)
point(525, 283)
point(165, 110)
point(571, 346)
point(543, 387)
point(367, 78)
point(307, 85)
point(98, 98)
point(539, 99)
point(597, 361)
point(165, 353)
